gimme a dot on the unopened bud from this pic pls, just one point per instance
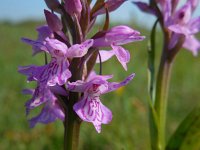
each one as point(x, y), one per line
point(52, 4)
point(73, 6)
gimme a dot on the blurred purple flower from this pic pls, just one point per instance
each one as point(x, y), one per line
point(178, 21)
point(181, 22)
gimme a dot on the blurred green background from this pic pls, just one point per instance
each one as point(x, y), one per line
point(129, 127)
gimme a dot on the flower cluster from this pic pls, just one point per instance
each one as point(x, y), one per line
point(178, 21)
point(72, 58)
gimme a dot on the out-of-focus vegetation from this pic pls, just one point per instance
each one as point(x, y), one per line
point(129, 128)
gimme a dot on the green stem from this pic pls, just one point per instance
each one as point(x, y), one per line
point(161, 96)
point(72, 127)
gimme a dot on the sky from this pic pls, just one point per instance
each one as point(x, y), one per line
point(20, 10)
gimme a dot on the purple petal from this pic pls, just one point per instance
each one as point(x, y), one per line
point(112, 5)
point(194, 3)
point(192, 44)
point(32, 72)
point(174, 39)
point(28, 91)
point(56, 48)
point(78, 86)
point(180, 29)
point(53, 21)
point(58, 90)
point(81, 86)
point(117, 35)
point(145, 7)
point(122, 55)
point(44, 32)
point(167, 8)
point(56, 72)
point(73, 6)
point(91, 75)
point(194, 25)
point(79, 50)
point(52, 4)
point(108, 114)
point(115, 85)
point(105, 55)
point(90, 109)
point(37, 46)
point(50, 112)
point(99, 79)
point(183, 15)
point(40, 96)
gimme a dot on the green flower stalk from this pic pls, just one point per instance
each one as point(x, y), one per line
point(179, 31)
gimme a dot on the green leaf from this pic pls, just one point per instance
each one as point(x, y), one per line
point(187, 135)
point(151, 60)
point(153, 125)
point(153, 121)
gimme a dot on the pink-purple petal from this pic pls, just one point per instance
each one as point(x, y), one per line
point(192, 44)
point(194, 25)
point(56, 72)
point(56, 48)
point(145, 7)
point(79, 50)
point(105, 55)
point(32, 72)
point(53, 21)
point(50, 112)
point(122, 55)
point(111, 5)
point(90, 109)
point(115, 85)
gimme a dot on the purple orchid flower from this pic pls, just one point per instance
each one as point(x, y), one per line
point(115, 37)
point(182, 23)
point(90, 108)
point(41, 95)
point(50, 112)
point(50, 75)
point(51, 109)
point(56, 72)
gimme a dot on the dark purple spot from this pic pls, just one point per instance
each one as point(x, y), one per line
point(181, 15)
